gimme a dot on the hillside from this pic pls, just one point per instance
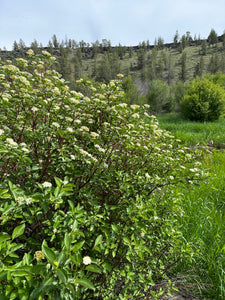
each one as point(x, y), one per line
point(167, 62)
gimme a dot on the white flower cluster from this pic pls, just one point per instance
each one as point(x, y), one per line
point(11, 142)
point(100, 149)
point(46, 184)
point(87, 260)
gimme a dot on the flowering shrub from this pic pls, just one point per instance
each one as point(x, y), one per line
point(87, 186)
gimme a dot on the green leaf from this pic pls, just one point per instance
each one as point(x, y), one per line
point(62, 275)
point(20, 273)
point(126, 240)
point(61, 258)
point(115, 228)
point(46, 285)
point(85, 283)
point(58, 181)
point(19, 230)
point(93, 268)
point(98, 241)
point(67, 241)
point(4, 237)
point(78, 246)
point(49, 253)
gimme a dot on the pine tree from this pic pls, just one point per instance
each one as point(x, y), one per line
point(183, 73)
point(212, 38)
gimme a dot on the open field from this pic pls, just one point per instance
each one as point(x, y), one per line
point(195, 133)
point(203, 218)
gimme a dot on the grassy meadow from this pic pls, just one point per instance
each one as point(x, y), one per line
point(203, 219)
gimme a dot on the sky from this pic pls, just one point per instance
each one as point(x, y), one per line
point(127, 22)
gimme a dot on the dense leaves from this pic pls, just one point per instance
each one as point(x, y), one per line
point(203, 101)
point(88, 207)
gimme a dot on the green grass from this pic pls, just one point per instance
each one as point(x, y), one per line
point(203, 219)
point(194, 133)
point(203, 226)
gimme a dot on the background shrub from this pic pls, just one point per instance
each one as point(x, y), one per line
point(88, 207)
point(203, 101)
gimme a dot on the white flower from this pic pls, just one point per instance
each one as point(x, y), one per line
point(30, 52)
point(136, 115)
point(77, 121)
point(194, 170)
point(99, 148)
point(74, 101)
point(56, 91)
point(54, 230)
point(20, 199)
point(72, 156)
point(25, 149)
point(147, 175)
point(11, 142)
point(47, 184)
point(1, 131)
point(86, 260)
point(123, 104)
point(28, 200)
point(34, 109)
point(56, 124)
point(94, 134)
point(46, 53)
point(142, 234)
point(134, 106)
point(84, 128)
point(69, 129)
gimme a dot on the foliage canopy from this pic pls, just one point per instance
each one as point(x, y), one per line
point(203, 101)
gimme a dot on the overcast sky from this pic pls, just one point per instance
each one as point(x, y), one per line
point(121, 21)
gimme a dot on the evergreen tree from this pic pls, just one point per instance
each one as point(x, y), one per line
point(34, 46)
point(188, 37)
point(214, 64)
point(50, 47)
point(55, 41)
point(183, 42)
point(175, 39)
point(199, 68)
point(77, 63)
point(204, 47)
point(183, 61)
point(141, 56)
point(151, 64)
point(223, 39)
point(212, 38)
point(104, 69)
point(115, 65)
point(22, 45)
point(15, 46)
point(160, 42)
point(170, 71)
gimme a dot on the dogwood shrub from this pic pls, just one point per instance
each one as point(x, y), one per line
point(88, 204)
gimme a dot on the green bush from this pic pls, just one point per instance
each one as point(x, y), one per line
point(203, 101)
point(160, 97)
point(88, 208)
